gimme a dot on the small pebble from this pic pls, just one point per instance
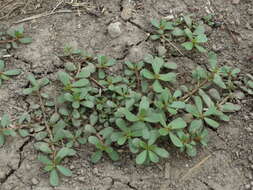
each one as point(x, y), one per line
point(247, 186)
point(114, 29)
point(250, 11)
point(235, 2)
point(82, 179)
point(35, 181)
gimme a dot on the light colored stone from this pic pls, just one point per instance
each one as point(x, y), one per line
point(235, 2)
point(167, 171)
point(35, 181)
point(114, 29)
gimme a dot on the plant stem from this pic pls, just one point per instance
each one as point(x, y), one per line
point(96, 82)
point(195, 90)
point(173, 45)
point(8, 41)
point(45, 120)
point(224, 100)
point(138, 79)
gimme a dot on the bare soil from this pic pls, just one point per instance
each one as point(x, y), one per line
point(227, 164)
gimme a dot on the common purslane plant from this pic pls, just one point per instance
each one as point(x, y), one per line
point(141, 109)
point(193, 34)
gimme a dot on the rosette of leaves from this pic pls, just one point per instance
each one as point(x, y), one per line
point(125, 96)
point(197, 38)
point(103, 63)
point(145, 113)
point(13, 36)
point(169, 102)
point(102, 141)
point(36, 85)
point(203, 115)
point(132, 71)
point(171, 128)
point(74, 138)
point(188, 144)
point(230, 76)
point(111, 82)
point(161, 27)
point(157, 64)
point(70, 84)
point(150, 152)
point(5, 129)
point(133, 68)
point(53, 163)
point(217, 72)
point(127, 134)
point(5, 75)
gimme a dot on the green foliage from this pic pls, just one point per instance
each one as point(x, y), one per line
point(5, 129)
point(14, 36)
point(6, 74)
point(142, 108)
point(192, 33)
point(196, 38)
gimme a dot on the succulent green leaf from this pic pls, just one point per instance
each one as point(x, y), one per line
point(212, 57)
point(141, 158)
point(218, 80)
point(25, 40)
point(188, 20)
point(178, 32)
point(188, 33)
point(192, 110)
point(178, 105)
point(96, 156)
point(161, 152)
point(178, 123)
point(44, 159)
point(43, 147)
point(147, 74)
point(187, 45)
point(64, 171)
point(201, 38)
point(200, 29)
point(64, 78)
point(155, 23)
point(113, 155)
point(54, 178)
point(157, 87)
point(153, 157)
point(198, 103)
point(200, 48)
point(211, 123)
point(64, 152)
point(80, 83)
point(5, 120)
point(157, 64)
point(196, 125)
point(206, 98)
point(94, 140)
point(230, 107)
point(12, 72)
point(175, 140)
point(169, 77)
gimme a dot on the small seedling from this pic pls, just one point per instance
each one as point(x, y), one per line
point(5, 129)
point(197, 37)
point(13, 37)
point(5, 75)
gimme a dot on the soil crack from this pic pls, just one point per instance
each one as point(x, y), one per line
point(13, 171)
